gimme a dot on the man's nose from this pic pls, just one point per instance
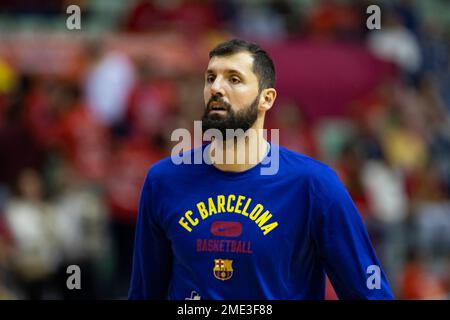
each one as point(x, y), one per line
point(217, 88)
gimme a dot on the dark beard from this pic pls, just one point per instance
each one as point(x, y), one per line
point(242, 119)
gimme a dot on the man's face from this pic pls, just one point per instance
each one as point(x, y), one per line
point(231, 93)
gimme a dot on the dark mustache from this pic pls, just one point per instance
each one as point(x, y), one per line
point(218, 99)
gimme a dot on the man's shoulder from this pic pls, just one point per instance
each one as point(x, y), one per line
point(173, 166)
point(322, 180)
point(299, 163)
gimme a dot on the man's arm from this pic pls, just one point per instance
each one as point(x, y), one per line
point(152, 258)
point(343, 243)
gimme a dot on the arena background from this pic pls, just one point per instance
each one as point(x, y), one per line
point(84, 113)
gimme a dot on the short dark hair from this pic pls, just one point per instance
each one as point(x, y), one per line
point(263, 65)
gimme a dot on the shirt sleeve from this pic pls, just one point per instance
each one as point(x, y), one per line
point(343, 244)
point(152, 256)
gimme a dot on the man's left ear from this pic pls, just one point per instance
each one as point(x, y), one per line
point(267, 98)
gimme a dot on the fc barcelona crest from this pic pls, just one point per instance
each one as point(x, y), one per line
point(223, 269)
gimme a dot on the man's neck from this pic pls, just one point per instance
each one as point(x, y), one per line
point(241, 153)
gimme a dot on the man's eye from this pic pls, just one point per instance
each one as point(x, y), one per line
point(235, 80)
point(210, 79)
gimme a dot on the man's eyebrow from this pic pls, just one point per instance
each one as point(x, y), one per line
point(210, 71)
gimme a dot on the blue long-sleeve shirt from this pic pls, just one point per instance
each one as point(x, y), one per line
point(209, 234)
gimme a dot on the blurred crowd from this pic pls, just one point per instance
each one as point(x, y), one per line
point(74, 150)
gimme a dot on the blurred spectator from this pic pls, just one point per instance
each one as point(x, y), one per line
point(190, 104)
point(44, 7)
point(81, 229)
point(5, 253)
point(437, 123)
point(418, 284)
point(45, 104)
point(289, 13)
point(144, 16)
point(296, 132)
point(18, 146)
point(407, 13)
point(348, 166)
point(435, 42)
point(31, 221)
point(84, 140)
point(190, 16)
point(127, 170)
point(255, 20)
point(150, 103)
point(108, 85)
point(388, 205)
point(7, 78)
point(404, 148)
point(395, 43)
point(432, 221)
point(334, 19)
